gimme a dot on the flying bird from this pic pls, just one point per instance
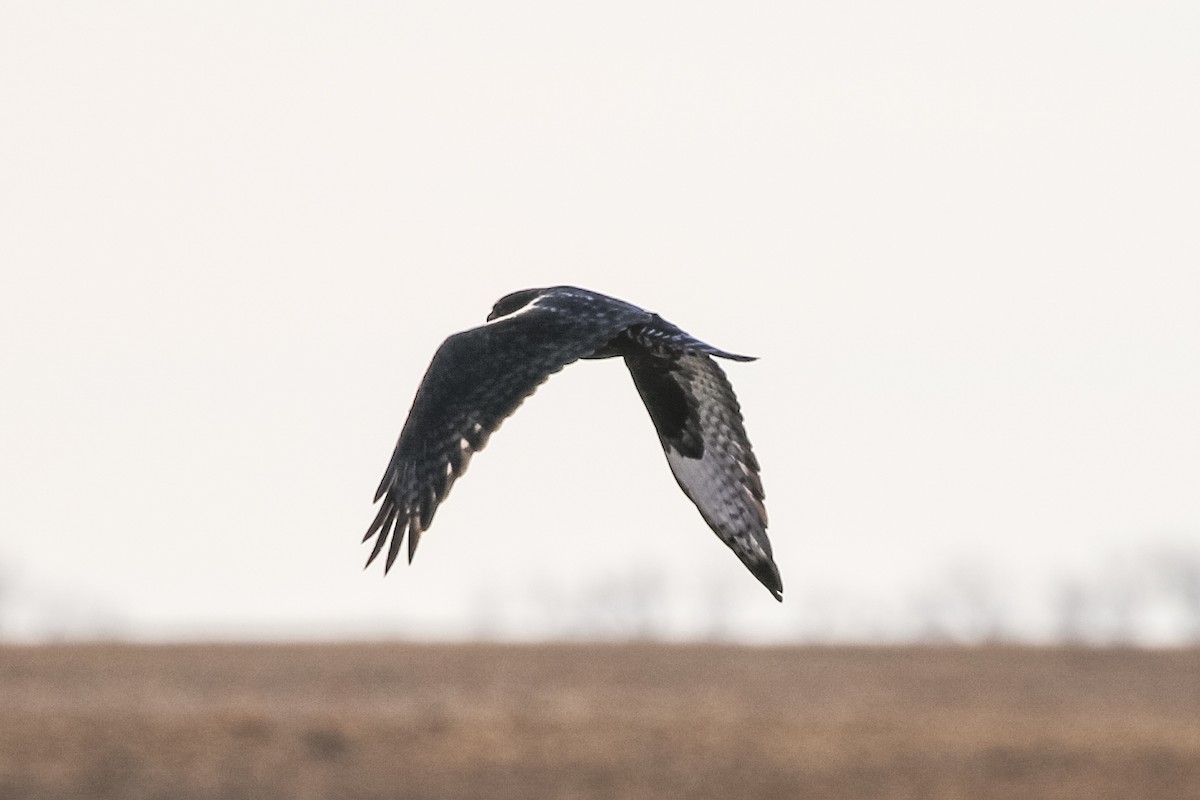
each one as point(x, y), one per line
point(479, 377)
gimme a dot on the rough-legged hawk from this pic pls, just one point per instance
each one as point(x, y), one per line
point(478, 378)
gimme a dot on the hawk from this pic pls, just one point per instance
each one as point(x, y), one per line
point(479, 377)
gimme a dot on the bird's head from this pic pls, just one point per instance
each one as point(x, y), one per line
point(513, 302)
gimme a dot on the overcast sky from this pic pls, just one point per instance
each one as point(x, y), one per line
point(963, 239)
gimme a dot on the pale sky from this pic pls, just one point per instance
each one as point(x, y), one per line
point(963, 240)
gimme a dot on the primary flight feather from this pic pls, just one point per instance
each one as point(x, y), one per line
point(479, 377)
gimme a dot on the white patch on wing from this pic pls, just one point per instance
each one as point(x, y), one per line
point(522, 310)
point(723, 502)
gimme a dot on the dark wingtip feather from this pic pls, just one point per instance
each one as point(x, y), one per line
point(393, 549)
point(708, 349)
point(384, 484)
point(714, 351)
point(768, 575)
point(378, 522)
point(376, 550)
point(414, 536)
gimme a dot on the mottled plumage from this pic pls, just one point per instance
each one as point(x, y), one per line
point(479, 377)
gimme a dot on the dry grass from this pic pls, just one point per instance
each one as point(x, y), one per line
point(596, 721)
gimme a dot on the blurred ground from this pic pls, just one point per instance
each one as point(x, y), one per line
point(595, 721)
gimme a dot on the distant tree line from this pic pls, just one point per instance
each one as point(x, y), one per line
point(1150, 598)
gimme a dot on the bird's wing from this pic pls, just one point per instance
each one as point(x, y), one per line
point(699, 423)
point(477, 379)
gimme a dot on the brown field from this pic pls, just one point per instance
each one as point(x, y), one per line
point(595, 721)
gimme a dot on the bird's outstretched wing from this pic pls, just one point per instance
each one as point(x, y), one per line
point(699, 423)
point(478, 378)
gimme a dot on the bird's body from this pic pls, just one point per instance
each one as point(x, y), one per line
point(479, 377)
